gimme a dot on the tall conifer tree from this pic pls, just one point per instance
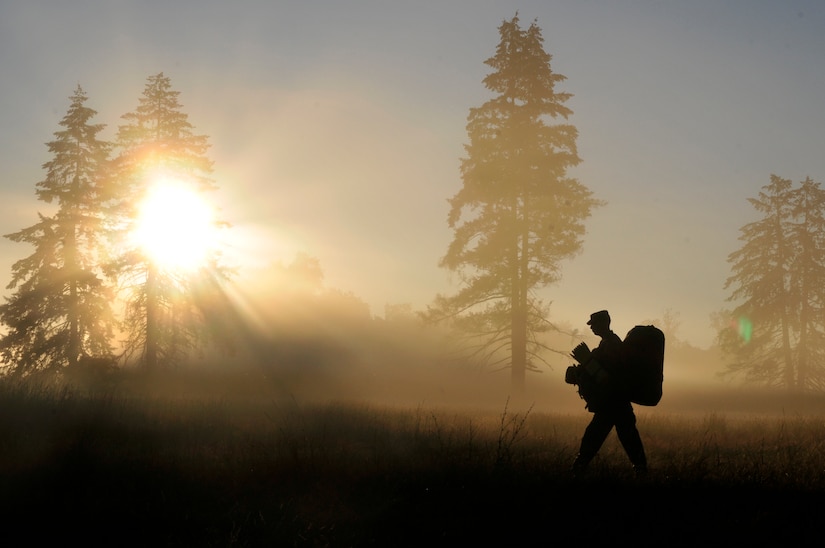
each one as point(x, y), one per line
point(163, 319)
point(778, 283)
point(808, 277)
point(518, 213)
point(60, 310)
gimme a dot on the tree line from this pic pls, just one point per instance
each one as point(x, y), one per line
point(516, 217)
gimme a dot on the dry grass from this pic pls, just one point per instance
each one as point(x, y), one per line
point(111, 468)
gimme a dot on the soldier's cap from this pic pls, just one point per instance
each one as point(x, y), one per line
point(600, 316)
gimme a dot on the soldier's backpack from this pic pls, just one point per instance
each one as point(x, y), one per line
point(644, 357)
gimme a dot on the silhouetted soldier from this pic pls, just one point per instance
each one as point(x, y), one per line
point(608, 398)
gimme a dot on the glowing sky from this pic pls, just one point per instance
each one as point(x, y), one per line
point(337, 127)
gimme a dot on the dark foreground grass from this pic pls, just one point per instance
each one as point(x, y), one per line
point(120, 471)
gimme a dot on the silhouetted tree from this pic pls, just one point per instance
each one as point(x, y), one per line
point(60, 309)
point(778, 281)
point(518, 214)
point(163, 319)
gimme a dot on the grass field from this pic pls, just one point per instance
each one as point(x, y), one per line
point(119, 468)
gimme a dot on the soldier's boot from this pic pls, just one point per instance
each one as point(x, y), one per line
point(640, 463)
point(579, 466)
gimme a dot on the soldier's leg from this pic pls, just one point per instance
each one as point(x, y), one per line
point(593, 438)
point(630, 439)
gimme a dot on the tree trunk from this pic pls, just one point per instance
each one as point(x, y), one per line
point(151, 355)
point(518, 335)
point(518, 324)
point(72, 268)
point(787, 353)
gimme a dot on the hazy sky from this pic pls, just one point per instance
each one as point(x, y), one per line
point(337, 127)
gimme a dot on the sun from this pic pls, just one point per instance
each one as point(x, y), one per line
point(175, 226)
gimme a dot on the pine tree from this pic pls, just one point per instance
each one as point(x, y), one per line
point(518, 214)
point(163, 317)
point(778, 281)
point(808, 277)
point(60, 310)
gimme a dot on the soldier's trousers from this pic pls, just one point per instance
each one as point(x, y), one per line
point(619, 415)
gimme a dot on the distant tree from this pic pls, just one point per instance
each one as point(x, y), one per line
point(518, 214)
point(400, 312)
point(303, 276)
point(778, 285)
point(303, 299)
point(670, 325)
point(163, 318)
point(61, 310)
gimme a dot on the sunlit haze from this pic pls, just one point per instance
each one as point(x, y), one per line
point(337, 128)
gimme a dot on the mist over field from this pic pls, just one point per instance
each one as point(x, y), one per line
point(323, 351)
